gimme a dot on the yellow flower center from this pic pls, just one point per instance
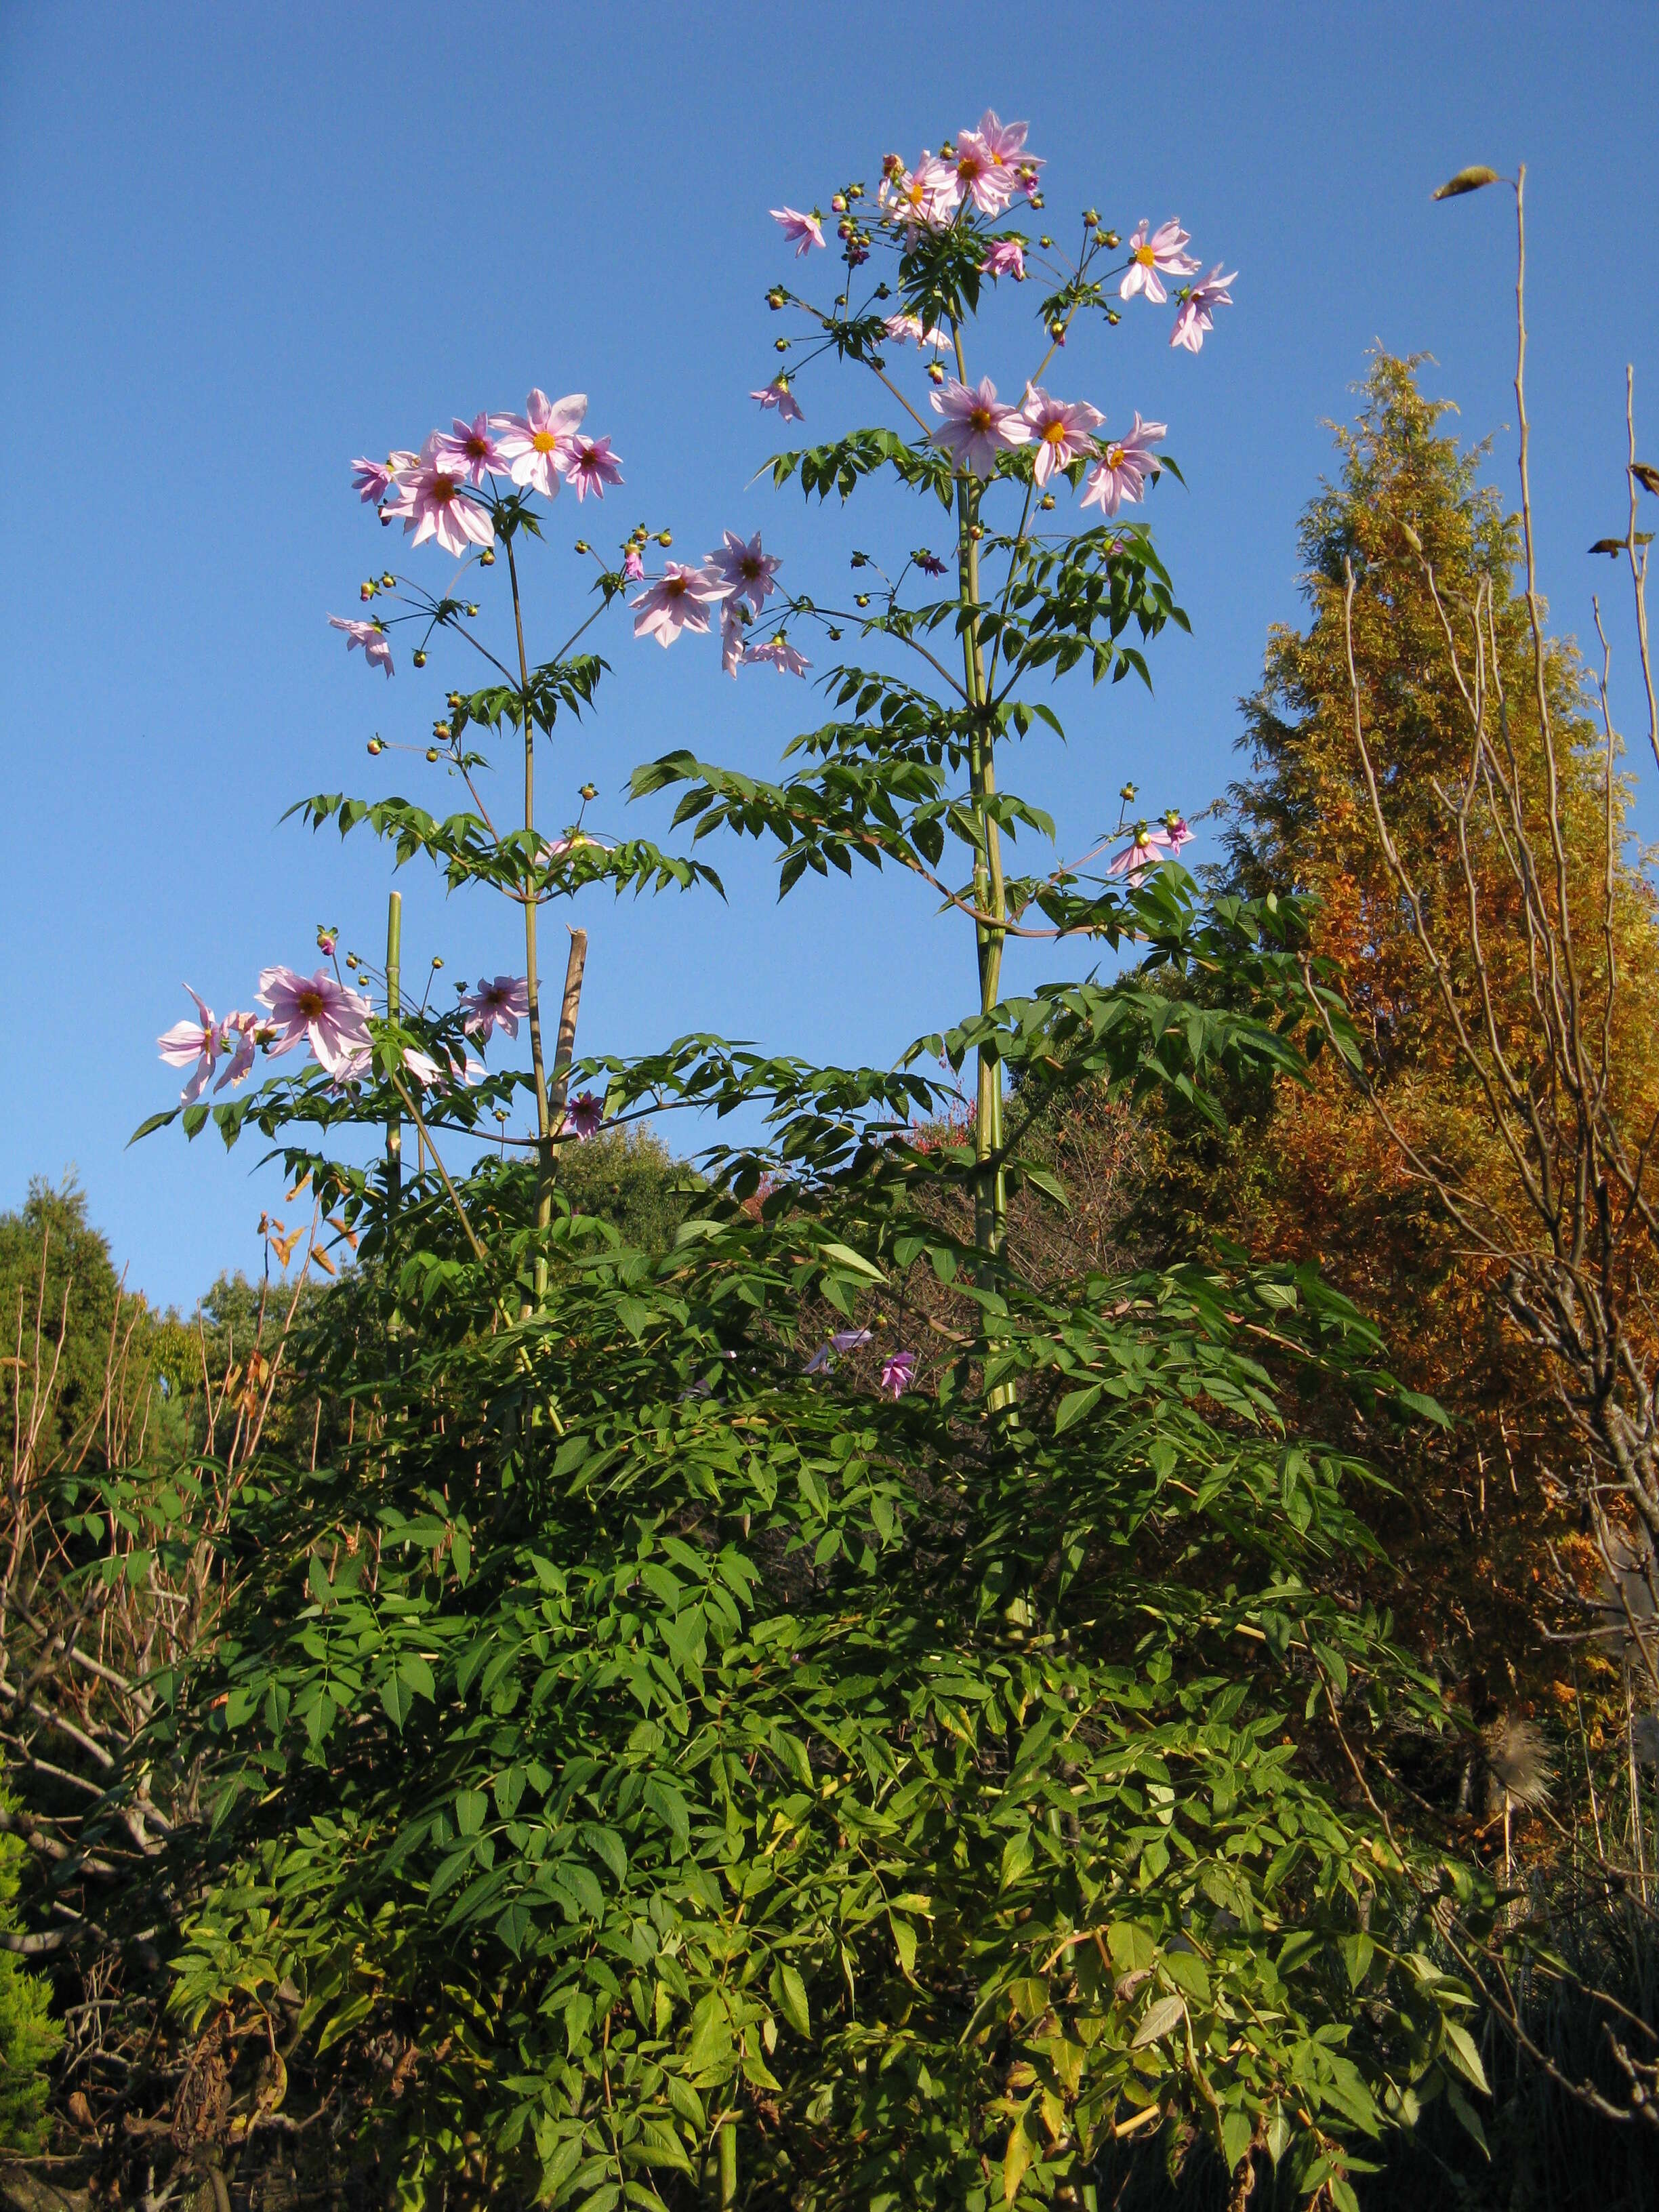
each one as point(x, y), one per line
point(443, 488)
point(981, 418)
point(1054, 432)
point(1145, 256)
point(1113, 457)
point(544, 440)
point(310, 1004)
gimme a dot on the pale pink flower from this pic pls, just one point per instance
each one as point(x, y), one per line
point(377, 646)
point(1123, 466)
point(977, 426)
point(796, 226)
point(371, 480)
point(240, 1036)
point(633, 565)
point(476, 446)
point(991, 163)
point(743, 570)
point(196, 1041)
point(1192, 316)
point(1140, 856)
point(903, 328)
point(678, 601)
point(1003, 145)
point(530, 441)
point(336, 1020)
point(501, 1003)
point(922, 198)
point(432, 501)
point(1006, 258)
point(898, 1371)
point(1151, 259)
point(1062, 430)
point(588, 466)
point(777, 394)
point(781, 654)
point(732, 638)
point(583, 1116)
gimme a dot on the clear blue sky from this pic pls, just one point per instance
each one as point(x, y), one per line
point(239, 245)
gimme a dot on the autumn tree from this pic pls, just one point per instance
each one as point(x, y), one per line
point(1311, 1172)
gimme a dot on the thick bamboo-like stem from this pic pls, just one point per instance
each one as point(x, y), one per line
point(394, 1120)
point(565, 1048)
point(532, 982)
point(990, 1193)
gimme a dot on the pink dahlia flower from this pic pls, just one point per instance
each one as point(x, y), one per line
point(743, 570)
point(588, 466)
point(1175, 832)
point(843, 1340)
point(377, 646)
point(188, 1041)
point(1003, 145)
point(1006, 258)
point(1123, 467)
point(923, 197)
point(633, 565)
point(371, 480)
point(781, 654)
point(977, 426)
point(732, 638)
point(583, 1116)
point(1062, 430)
point(1140, 856)
point(777, 394)
point(1151, 259)
point(678, 600)
point(474, 446)
point(796, 226)
point(1192, 316)
point(432, 501)
point(530, 441)
point(907, 328)
point(500, 1004)
point(990, 163)
point(898, 1372)
point(336, 1020)
point(241, 1038)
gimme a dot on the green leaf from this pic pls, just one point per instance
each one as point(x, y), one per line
point(792, 1999)
point(1464, 2055)
point(1075, 1405)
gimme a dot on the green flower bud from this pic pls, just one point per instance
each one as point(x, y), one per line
point(419, 658)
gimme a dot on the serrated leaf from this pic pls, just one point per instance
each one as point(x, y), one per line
point(1162, 2019)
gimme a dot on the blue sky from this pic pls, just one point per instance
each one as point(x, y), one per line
point(239, 245)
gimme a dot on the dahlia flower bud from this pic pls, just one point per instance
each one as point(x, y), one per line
point(419, 658)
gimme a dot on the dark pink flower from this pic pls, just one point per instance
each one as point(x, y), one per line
point(530, 441)
point(633, 565)
point(1192, 316)
point(476, 446)
point(929, 563)
point(795, 226)
point(977, 426)
point(1175, 832)
point(371, 480)
point(1006, 258)
point(743, 571)
point(188, 1041)
point(584, 1116)
point(843, 1340)
point(1123, 467)
point(377, 646)
point(1151, 259)
point(1062, 430)
point(777, 394)
point(588, 466)
point(501, 1003)
point(678, 601)
point(898, 1371)
point(431, 502)
point(319, 1007)
point(781, 654)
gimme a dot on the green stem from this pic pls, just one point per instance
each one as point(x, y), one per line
point(394, 1122)
point(990, 1196)
point(728, 2148)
